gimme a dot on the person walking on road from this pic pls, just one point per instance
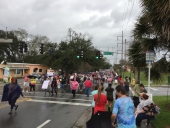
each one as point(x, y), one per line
point(100, 100)
point(109, 91)
point(74, 86)
point(26, 84)
point(32, 84)
point(11, 93)
point(88, 85)
point(123, 110)
point(95, 91)
point(63, 82)
point(54, 86)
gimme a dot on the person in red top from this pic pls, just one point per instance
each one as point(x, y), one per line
point(88, 85)
point(100, 100)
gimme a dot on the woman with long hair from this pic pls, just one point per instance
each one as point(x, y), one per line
point(100, 100)
point(109, 91)
point(95, 91)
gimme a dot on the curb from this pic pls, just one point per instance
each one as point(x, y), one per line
point(81, 122)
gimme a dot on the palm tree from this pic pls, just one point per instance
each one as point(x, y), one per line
point(158, 18)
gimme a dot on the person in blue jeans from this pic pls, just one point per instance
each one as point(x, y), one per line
point(88, 85)
point(63, 82)
point(123, 110)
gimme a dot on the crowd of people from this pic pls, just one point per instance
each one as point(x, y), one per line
point(128, 111)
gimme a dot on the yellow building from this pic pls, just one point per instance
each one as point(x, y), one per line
point(20, 69)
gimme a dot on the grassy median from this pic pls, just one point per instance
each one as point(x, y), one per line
point(162, 119)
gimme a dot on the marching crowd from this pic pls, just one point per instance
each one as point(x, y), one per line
point(128, 111)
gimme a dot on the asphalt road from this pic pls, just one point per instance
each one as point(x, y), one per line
point(40, 111)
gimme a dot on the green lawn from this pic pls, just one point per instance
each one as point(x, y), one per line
point(162, 119)
point(145, 80)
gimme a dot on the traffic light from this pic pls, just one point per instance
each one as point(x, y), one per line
point(97, 54)
point(25, 47)
point(20, 47)
point(78, 54)
point(42, 49)
point(81, 54)
point(100, 56)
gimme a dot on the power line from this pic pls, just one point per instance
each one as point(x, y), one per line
point(125, 14)
point(129, 15)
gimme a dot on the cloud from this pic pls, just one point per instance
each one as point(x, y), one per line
point(51, 18)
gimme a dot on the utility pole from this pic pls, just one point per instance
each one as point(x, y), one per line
point(6, 40)
point(125, 49)
point(122, 50)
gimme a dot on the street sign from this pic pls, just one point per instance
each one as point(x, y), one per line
point(6, 40)
point(150, 56)
point(108, 53)
point(6, 74)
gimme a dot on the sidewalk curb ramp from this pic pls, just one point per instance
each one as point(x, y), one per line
point(81, 122)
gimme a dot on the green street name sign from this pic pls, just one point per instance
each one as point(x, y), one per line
point(108, 53)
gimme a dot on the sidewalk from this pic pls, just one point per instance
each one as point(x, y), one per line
point(81, 122)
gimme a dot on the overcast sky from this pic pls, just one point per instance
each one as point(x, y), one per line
point(104, 20)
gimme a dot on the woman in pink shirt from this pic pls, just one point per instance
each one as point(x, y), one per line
point(74, 86)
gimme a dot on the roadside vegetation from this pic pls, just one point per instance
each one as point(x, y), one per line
point(163, 119)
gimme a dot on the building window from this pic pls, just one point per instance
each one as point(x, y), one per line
point(40, 70)
point(35, 69)
point(17, 71)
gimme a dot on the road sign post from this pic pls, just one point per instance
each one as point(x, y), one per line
point(150, 56)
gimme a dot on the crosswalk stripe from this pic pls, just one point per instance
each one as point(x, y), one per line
point(57, 98)
point(59, 102)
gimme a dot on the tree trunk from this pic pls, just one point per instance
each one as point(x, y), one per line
point(137, 74)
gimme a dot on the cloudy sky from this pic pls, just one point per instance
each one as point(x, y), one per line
point(104, 20)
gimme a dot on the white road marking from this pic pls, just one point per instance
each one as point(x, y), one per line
point(152, 88)
point(59, 102)
point(44, 124)
point(57, 98)
point(59, 93)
